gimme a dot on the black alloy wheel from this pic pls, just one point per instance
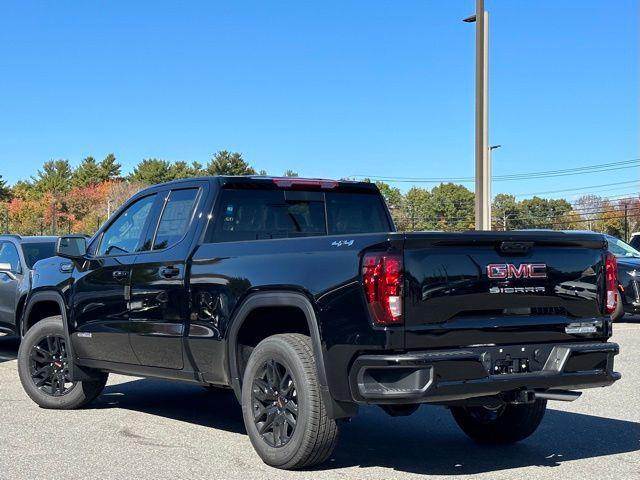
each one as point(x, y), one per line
point(275, 403)
point(49, 366)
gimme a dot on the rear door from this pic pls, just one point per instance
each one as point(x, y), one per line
point(159, 305)
point(469, 289)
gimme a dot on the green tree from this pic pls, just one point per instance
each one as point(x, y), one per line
point(392, 195)
point(451, 207)
point(539, 212)
point(87, 173)
point(151, 171)
point(109, 168)
point(5, 192)
point(54, 182)
point(55, 178)
point(227, 163)
point(415, 214)
point(182, 169)
point(23, 189)
point(505, 212)
point(291, 173)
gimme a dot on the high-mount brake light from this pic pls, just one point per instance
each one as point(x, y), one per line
point(288, 182)
point(611, 279)
point(382, 280)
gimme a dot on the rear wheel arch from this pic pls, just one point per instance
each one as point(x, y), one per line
point(273, 300)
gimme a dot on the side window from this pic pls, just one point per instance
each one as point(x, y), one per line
point(355, 213)
point(175, 217)
point(267, 214)
point(9, 254)
point(124, 235)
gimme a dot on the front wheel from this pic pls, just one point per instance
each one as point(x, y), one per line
point(43, 367)
point(283, 410)
point(505, 424)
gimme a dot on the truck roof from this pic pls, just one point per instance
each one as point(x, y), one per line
point(246, 181)
point(29, 238)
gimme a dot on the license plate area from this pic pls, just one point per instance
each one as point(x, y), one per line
point(508, 365)
point(515, 359)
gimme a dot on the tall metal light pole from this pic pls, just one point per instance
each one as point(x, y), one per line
point(483, 182)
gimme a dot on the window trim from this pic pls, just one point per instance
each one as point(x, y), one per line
point(165, 201)
point(145, 227)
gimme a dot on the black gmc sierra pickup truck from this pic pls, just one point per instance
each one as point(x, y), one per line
point(297, 295)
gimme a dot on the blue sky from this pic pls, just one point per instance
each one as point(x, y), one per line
point(329, 89)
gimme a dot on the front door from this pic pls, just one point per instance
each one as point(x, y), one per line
point(101, 290)
point(159, 304)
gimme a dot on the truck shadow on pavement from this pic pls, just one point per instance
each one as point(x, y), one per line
point(8, 348)
point(427, 442)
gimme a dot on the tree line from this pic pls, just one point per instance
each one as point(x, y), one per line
point(62, 199)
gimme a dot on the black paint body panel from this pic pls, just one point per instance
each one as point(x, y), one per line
point(179, 327)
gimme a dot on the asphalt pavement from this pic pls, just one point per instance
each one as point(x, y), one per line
point(151, 429)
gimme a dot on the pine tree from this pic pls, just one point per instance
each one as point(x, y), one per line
point(227, 163)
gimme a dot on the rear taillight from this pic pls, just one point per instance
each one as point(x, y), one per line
point(611, 278)
point(382, 280)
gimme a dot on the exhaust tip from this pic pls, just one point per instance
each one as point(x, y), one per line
point(560, 395)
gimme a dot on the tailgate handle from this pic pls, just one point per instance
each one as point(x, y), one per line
point(515, 247)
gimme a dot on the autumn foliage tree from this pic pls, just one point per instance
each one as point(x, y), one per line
point(61, 199)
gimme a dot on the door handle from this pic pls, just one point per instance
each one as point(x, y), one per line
point(169, 272)
point(120, 274)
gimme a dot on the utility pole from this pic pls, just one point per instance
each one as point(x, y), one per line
point(483, 181)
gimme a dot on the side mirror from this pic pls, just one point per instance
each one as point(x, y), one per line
point(7, 270)
point(72, 246)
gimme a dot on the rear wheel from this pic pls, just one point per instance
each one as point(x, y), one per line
point(508, 423)
point(43, 367)
point(283, 411)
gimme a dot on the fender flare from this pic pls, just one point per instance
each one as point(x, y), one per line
point(43, 296)
point(273, 299)
point(284, 299)
point(76, 372)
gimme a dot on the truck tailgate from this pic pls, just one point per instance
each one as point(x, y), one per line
point(481, 288)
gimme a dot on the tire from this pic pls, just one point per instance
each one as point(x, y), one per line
point(619, 312)
point(289, 359)
point(55, 391)
point(508, 424)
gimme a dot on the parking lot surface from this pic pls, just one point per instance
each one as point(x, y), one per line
point(149, 429)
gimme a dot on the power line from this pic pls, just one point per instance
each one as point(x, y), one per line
point(620, 195)
point(603, 167)
point(578, 188)
point(569, 217)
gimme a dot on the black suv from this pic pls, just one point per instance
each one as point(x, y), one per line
point(298, 295)
point(17, 257)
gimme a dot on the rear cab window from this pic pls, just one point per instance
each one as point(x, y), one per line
point(256, 214)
